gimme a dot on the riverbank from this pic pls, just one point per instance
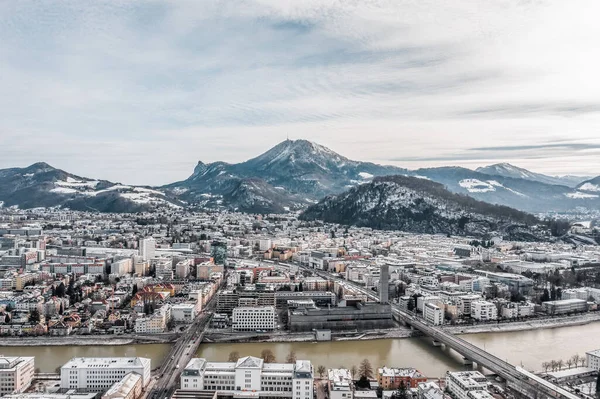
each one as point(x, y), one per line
point(217, 336)
point(535, 324)
point(85, 340)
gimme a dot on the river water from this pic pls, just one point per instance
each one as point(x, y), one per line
point(527, 348)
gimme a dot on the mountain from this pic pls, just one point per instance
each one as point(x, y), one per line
point(291, 175)
point(422, 206)
point(589, 188)
point(508, 170)
point(522, 194)
point(41, 185)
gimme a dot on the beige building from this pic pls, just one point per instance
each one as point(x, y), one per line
point(130, 387)
point(16, 374)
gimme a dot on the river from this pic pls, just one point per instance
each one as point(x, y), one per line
point(529, 348)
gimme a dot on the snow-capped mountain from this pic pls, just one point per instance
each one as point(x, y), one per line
point(508, 170)
point(41, 185)
point(422, 206)
point(293, 174)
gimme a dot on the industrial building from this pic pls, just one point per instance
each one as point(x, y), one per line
point(565, 306)
point(361, 316)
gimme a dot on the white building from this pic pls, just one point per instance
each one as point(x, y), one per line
point(433, 314)
point(265, 245)
point(430, 390)
point(182, 269)
point(147, 247)
point(484, 311)
point(16, 374)
point(593, 359)
point(464, 303)
point(122, 267)
point(183, 313)
point(252, 318)
point(155, 323)
point(340, 384)
point(460, 384)
point(98, 374)
point(250, 377)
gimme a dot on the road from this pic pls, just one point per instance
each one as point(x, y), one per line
point(181, 353)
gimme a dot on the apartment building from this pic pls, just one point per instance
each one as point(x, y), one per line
point(98, 374)
point(250, 376)
point(392, 378)
point(461, 384)
point(16, 374)
point(340, 384)
point(147, 248)
point(122, 267)
point(593, 359)
point(484, 311)
point(252, 318)
point(433, 314)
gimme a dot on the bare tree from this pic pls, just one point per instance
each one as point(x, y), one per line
point(354, 372)
point(553, 365)
point(569, 362)
point(560, 364)
point(268, 356)
point(582, 361)
point(234, 356)
point(291, 357)
point(546, 366)
point(365, 369)
point(321, 370)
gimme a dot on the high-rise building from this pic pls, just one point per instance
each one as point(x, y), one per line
point(147, 248)
point(384, 283)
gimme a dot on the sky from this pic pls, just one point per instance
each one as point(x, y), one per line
point(139, 91)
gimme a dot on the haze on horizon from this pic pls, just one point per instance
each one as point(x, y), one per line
point(138, 92)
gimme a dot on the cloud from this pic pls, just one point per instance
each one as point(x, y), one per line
point(113, 86)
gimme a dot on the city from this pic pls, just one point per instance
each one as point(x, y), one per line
point(299, 199)
point(192, 280)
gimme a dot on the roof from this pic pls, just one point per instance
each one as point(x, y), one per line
point(125, 386)
point(249, 362)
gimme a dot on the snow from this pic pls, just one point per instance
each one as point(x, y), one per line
point(63, 190)
point(590, 187)
point(75, 183)
point(179, 190)
point(365, 175)
point(580, 195)
point(279, 188)
point(147, 190)
point(29, 175)
point(422, 177)
point(476, 186)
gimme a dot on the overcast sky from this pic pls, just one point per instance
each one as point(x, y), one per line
point(138, 92)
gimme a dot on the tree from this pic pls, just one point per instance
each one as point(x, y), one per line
point(553, 365)
point(268, 356)
point(560, 364)
point(575, 359)
point(364, 383)
point(598, 384)
point(546, 366)
point(34, 316)
point(234, 356)
point(353, 371)
point(582, 361)
point(379, 392)
point(401, 392)
point(365, 369)
point(60, 290)
point(291, 357)
point(569, 362)
point(300, 287)
point(134, 290)
point(321, 370)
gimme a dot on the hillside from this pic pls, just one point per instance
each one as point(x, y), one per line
point(422, 206)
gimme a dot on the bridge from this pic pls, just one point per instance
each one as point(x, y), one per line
point(517, 379)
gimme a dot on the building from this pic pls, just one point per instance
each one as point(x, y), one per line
point(182, 269)
point(250, 377)
point(484, 311)
point(384, 284)
point(430, 390)
point(130, 387)
point(183, 312)
point(462, 383)
point(361, 316)
point(122, 267)
point(16, 374)
point(69, 395)
point(98, 374)
point(593, 359)
point(392, 378)
point(565, 306)
point(147, 248)
point(252, 318)
point(340, 384)
point(433, 314)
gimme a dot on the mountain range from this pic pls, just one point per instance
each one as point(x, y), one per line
point(292, 175)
